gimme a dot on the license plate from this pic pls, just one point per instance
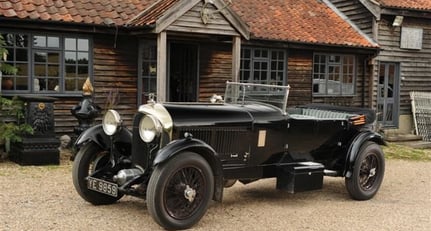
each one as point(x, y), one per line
point(102, 186)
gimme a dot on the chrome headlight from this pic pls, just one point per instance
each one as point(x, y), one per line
point(111, 122)
point(149, 128)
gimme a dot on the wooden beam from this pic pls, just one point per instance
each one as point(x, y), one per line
point(173, 13)
point(236, 58)
point(373, 7)
point(233, 18)
point(161, 66)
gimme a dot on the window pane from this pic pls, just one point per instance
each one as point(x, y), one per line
point(82, 57)
point(70, 84)
point(39, 41)
point(70, 44)
point(10, 57)
point(40, 57)
point(21, 83)
point(53, 41)
point(246, 53)
point(22, 69)
point(21, 55)
point(70, 70)
point(70, 57)
point(82, 70)
point(257, 53)
point(53, 85)
point(53, 57)
point(40, 70)
point(53, 70)
point(83, 45)
point(247, 64)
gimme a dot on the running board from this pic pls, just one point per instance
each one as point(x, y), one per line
point(327, 172)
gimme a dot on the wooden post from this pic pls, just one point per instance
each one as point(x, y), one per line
point(236, 58)
point(161, 66)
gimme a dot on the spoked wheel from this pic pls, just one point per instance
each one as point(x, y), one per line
point(180, 190)
point(368, 172)
point(89, 159)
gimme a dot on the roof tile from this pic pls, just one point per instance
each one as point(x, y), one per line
point(18, 6)
point(22, 14)
point(9, 13)
point(56, 17)
point(29, 7)
point(58, 3)
point(77, 18)
point(45, 16)
point(5, 5)
point(34, 15)
point(52, 10)
point(408, 4)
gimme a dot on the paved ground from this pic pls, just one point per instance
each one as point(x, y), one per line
point(43, 198)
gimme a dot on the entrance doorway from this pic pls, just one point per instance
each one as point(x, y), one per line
point(183, 72)
point(388, 94)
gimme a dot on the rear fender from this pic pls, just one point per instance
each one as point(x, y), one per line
point(355, 146)
point(98, 136)
point(201, 148)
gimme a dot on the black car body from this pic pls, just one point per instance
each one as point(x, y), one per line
point(179, 156)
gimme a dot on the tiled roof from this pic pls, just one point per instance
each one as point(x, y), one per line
point(407, 4)
point(303, 21)
point(77, 11)
point(307, 21)
point(152, 13)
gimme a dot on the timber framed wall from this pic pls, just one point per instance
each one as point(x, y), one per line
point(415, 64)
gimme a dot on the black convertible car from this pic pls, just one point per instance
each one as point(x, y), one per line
point(179, 156)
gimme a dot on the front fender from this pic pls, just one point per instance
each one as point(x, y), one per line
point(201, 148)
point(98, 136)
point(355, 146)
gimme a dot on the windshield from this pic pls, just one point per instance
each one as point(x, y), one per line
point(241, 93)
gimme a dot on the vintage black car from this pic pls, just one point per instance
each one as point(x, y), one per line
point(180, 156)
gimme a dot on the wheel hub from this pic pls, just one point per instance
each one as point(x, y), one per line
point(189, 194)
point(372, 172)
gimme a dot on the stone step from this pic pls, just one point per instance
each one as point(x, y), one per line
point(416, 144)
point(402, 137)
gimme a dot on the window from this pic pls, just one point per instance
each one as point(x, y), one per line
point(333, 75)
point(47, 64)
point(148, 69)
point(76, 58)
point(264, 66)
point(18, 49)
point(411, 38)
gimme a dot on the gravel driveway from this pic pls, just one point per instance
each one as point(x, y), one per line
point(43, 198)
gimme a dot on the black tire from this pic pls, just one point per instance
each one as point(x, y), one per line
point(368, 172)
point(90, 158)
point(185, 174)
